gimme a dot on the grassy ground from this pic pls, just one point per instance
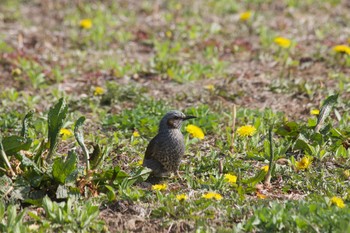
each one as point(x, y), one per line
point(121, 65)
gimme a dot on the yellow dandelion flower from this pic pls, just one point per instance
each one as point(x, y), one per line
point(212, 195)
point(246, 131)
point(99, 91)
point(260, 195)
point(346, 173)
point(209, 87)
point(282, 42)
point(178, 6)
point(303, 164)
point(338, 202)
point(16, 72)
point(85, 23)
point(159, 187)
point(265, 168)
point(230, 178)
point(342, 49)
point(140, 162)
point(65, 133)
point(195, 131)
point(181, 197)
point(169, 34)
point(315, 112)
point(244, 16)
point(136, 134)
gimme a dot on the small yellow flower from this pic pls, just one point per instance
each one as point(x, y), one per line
point(282, 42)
point(303, 164)
point(246, 131)
point(230, 178)
point(169, 34)
point(265, 168)
point(195, 131)
point(85, 23)
point(136, 134)
point(342, 49)
point(244, 16)
point(338, 202)
point(178, 6)
point(212, 195)
point(181, 197)
point(16, 72)
point(140, 162)
point(346, 173)
point(315, 112)
point(159, 187)
point(99, 91)
point(260, 195)
point(209, 87)
point(66, 133)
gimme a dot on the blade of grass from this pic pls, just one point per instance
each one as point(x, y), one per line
point(4, 157)
point(79, 136)
point(271, 164)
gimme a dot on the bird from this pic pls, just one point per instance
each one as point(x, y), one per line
point(164, 152)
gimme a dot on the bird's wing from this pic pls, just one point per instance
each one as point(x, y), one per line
point(152, 146)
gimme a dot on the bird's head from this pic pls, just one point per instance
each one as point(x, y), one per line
point(173, 120)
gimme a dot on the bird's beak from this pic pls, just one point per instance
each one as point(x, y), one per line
point(189, 117)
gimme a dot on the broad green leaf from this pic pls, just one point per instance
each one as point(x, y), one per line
point(13, 144)
point(62, 169)
point(267, 151)
point(110, 193)
point(26, 162)
point(34, 178)
point(256, 179)
point(141, 175)
point(56, 117)
point(302, 144)
point(79, 136)
point(96, 156)
point(25, 122)
point(341, 152)
point(325, 110)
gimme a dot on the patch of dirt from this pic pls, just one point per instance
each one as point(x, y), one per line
point(122, 216)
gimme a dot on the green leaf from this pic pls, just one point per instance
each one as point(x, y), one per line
point(25, 122)
point(110, 193)
point(341, 152)
point(96, 156)
point(79, 136)
point(27, 163)
point(302, 144)
point(13, 144)
point(2, 209)
point(325, 110)
point(62, 169)
point(256, 179)
point(56, 117)
point(141, 175)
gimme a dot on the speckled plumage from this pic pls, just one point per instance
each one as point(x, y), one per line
point(165, 150)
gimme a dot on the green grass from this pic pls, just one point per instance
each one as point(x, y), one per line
point(197, 57)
